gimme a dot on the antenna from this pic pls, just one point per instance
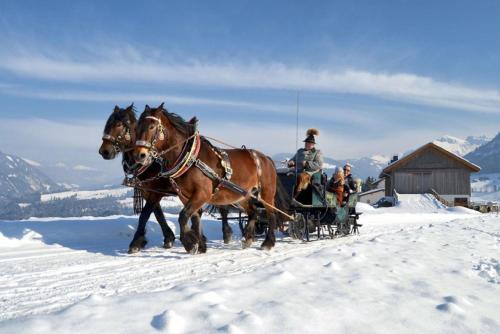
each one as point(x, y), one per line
point(297, 135)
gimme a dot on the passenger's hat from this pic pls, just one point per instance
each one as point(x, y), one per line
point(310, 136)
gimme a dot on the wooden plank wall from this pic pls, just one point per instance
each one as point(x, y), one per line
point(431, 169)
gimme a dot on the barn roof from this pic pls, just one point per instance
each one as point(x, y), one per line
point(416, 153)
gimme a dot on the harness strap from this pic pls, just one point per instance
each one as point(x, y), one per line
point(211, 174)
point(258, 164)
point(185, 162)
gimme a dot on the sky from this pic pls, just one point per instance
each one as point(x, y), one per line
point(374, 77)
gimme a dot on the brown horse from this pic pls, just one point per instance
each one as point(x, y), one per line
point(167, 136)
point(119, 136)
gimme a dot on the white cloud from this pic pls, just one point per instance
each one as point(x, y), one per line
point(84, 168)
point(404, 87)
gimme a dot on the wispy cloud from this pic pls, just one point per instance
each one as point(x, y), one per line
point(358, 116)
point(84, 168)
point(403, 87)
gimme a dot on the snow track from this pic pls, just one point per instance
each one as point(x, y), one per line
point(48, 265)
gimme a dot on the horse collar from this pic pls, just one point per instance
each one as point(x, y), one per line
point(186, 159)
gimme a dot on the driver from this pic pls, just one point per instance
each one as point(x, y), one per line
point(309, 159)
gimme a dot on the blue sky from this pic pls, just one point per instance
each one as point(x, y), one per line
point(374, 77)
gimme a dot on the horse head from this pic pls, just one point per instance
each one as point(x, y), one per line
point(159, 132)
point(119, 132)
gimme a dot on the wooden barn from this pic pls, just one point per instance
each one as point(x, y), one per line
point(431, 169)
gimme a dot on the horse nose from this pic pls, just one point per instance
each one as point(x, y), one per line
point(142, 156)
point(105, 153)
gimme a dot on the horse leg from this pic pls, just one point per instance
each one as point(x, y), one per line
point(196, 228)
point(139, 240)
point(168, 235)
point(268, 193)
point(227, 231)
point(249, 232)
point(270, 240)
point(190, 239)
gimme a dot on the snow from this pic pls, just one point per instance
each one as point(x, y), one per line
point(460, 147)
point(87, 194)
point(434, 271)
point(32, 162)
point(486, 188)
point(381, 159)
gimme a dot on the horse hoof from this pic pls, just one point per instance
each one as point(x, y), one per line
point(194, 250)
point(228, 240)
point(246, 243)
point(133, 250)
point(168, 244)
point(267, 246)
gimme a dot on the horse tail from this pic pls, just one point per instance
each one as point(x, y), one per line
point(282, 201)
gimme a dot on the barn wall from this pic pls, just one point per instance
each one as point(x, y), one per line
point(388, 184)
point(431, 169)
point(443, 181)
point(432, 159)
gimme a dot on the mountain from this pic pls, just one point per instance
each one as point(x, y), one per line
point(20, 178)
point(461, 147)
point(361, 167)
point(487, 156)
point(97, 203)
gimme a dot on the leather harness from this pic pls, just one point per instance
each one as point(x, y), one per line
point(189, 158)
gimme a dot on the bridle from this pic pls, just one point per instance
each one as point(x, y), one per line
point(121, 140)
point(151, 145)
point(190, 147)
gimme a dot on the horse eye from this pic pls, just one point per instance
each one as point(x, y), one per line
point(151, 127)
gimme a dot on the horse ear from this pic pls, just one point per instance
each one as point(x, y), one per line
point(117, 109)
point(131, 107)
point(147, 108)
point(161, 106)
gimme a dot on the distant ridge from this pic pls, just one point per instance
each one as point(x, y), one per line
point(487, 156)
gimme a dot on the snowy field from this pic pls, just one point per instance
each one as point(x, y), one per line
point(435, 271)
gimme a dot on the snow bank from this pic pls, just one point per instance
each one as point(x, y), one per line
point(419, 203)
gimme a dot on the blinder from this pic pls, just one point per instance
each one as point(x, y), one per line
point(121, 140)
point(159, 135)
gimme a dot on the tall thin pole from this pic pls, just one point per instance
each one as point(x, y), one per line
point(297, 134)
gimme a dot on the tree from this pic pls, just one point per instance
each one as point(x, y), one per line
point(369, 184)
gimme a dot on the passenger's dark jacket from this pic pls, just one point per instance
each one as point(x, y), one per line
point(349, 181)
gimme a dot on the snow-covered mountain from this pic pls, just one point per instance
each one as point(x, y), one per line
point(461, 147)
point(21, 177)
point(97, 203)
point(487, 156)
point(362, 167)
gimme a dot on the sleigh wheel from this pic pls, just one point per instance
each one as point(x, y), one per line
point(297, 227)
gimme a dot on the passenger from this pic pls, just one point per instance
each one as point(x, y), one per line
point(309, 159)
point(349, 180)
point(336, 185)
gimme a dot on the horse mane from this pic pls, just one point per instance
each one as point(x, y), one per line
point(121, 116)
point(131, 113)
point(186, 128)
